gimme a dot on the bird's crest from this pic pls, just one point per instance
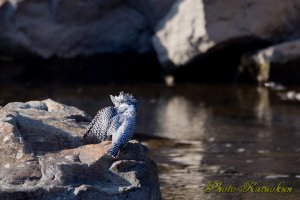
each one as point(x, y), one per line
point(123, 98)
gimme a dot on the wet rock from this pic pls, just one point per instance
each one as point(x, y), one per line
point(43, 157)
point(192, 28)
point(68, 29)
point(278, 63)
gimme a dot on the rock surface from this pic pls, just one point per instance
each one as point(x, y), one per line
point(274, 62)
point(193, 27)
point(78, 28)
point(44, 157)
point(178, 30)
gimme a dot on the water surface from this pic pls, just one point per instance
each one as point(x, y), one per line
point(202, 133)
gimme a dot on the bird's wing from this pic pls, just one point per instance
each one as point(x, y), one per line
point(100, 124)
point(114, 125)
point(122, 136)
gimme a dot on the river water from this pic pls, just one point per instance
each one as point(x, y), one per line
point(199, 134)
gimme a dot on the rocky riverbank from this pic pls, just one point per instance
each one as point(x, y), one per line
point(44, 157)
point(173, 32)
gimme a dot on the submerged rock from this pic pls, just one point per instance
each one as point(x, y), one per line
point(44, 157)
point(278, 63)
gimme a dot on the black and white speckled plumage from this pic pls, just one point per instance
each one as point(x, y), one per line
point(118, 122)
point(101, 123)
point(124, 131)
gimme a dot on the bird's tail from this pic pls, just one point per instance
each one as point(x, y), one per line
point(114, 151)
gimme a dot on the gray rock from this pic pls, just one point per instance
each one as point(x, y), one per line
point(70, 28)
point(43, 157)
point(193, 27)
point(276, 60)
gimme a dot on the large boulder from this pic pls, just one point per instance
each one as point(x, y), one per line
point(67, 29)
point(193, 27)
point(43, 156)
point(276, 63)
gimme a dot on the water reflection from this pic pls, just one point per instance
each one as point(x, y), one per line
point(242, 134)
point(208, 132)
point(177, 113)
point(198, 113)
point(262, 108)
point(178, 164)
